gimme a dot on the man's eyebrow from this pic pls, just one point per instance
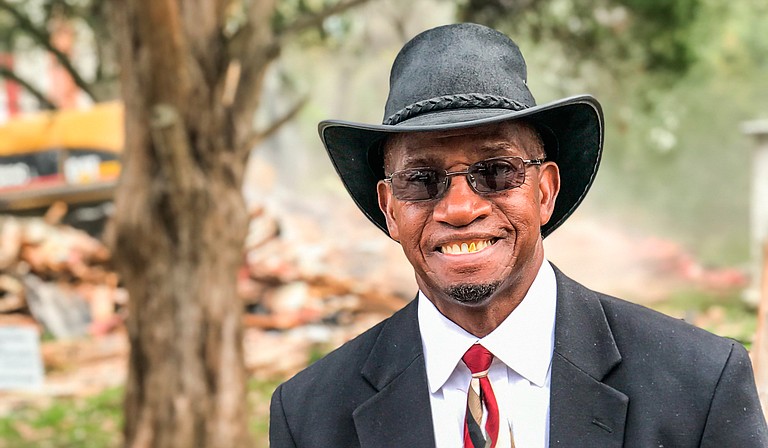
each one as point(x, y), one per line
point(420, 160)
point(504, 145)
point(491, 149)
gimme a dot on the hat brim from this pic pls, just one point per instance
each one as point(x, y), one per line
point(572, 130)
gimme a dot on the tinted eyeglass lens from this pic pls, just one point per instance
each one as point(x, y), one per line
point(497, 175)
point(418, 184)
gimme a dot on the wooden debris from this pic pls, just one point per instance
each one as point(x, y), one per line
point(11, 294)
point(61, 310)
point(61, 280)
point(10, 241)
point(56, 212)
point(68, 353)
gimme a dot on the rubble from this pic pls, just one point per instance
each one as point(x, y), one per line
point(61, 280)
point(314, 275)
point(608, 258)
point(56, 274)
point(12, 299)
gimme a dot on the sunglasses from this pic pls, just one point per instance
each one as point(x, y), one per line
point(485, 177)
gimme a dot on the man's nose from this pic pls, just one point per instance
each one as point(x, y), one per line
point(460, 205)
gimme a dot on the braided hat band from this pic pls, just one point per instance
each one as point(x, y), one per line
point(461, 101)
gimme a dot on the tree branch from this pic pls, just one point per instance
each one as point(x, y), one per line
point(315, 18)
point(44, 39)
point(259, 136)
point(7, 73)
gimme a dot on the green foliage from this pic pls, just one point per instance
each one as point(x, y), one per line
point(647, 35)
point(96, 422)
point(723, 314)
point(25, 25)
point(259, 394)
point(676, 150)
point(93, 422)
point(326, 32)
point(663, 28)
point(676, 80)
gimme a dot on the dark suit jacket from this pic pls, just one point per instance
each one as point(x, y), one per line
point(622, 375)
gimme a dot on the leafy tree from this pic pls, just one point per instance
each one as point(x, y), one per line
point(29, 24)
point(653, 34)
point(191, 76)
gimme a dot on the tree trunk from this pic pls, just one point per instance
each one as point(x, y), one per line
point(180, 220)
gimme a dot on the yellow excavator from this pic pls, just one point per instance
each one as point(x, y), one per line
point(65, 156)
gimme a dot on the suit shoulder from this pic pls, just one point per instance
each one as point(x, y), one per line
point(637, 329)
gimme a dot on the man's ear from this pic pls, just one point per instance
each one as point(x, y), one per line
point(385, 204)
point(549, 187)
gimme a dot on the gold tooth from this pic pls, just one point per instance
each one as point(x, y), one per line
point(472, 247)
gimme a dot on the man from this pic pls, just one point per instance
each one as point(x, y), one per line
point(500, 348)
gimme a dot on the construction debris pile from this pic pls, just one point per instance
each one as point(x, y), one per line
point(302, 295)
point(61, 280)
point(315, 275)
point(56, 277)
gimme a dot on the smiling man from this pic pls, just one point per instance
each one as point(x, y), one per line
point(499, 348)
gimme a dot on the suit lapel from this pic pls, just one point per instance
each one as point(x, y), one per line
point(583, 410)
point(399, 414)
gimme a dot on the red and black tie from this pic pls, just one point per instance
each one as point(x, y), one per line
point(480, 396)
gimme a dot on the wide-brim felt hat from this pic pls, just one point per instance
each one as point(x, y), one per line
point(462, 76)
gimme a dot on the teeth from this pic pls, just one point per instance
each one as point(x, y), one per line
point(465, 247)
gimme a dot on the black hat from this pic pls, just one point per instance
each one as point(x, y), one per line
point(460, 76)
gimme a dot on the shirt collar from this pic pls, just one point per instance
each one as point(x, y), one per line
point(524, 341)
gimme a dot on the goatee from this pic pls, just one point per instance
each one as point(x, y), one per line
point(472, 293)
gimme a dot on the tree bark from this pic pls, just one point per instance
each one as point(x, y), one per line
point(191, 77)
point(180, 220)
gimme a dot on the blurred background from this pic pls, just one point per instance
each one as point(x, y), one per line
point(674, 220)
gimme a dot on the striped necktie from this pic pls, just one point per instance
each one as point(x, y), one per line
point(479, 396)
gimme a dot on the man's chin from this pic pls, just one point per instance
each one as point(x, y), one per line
point(472, 293)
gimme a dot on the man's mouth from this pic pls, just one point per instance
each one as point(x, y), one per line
point(466, 247)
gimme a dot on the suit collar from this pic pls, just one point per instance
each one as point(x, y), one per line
point(396, 348)
point(584, 411)
point(582, 334)
point(400, 413)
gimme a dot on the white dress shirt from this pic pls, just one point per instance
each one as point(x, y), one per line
point(520, 373)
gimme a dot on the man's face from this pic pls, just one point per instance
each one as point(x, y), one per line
point(503, 227)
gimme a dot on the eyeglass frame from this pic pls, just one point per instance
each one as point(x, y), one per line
point(465, 173)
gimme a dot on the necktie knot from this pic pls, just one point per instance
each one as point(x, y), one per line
point(478, 359)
